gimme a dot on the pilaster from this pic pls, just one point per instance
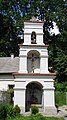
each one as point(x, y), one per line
point(19, 98)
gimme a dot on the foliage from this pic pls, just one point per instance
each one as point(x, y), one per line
point(60, 98)
point(61, 86)
point(10, 91)
point(12, 15)
point(17, 109)
point(3, 112)
point(5, 97)
point(13, 111)
point(8, 111)
point(34, 109)
point(35, 117)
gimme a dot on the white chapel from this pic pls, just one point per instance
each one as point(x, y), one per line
point(28, 74)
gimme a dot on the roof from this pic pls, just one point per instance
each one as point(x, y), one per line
point(9, 65)
point(35, 74)
point(34, 45)
point(34, 20)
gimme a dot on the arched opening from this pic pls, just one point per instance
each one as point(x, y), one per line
point(33, 37)
point(33, 95)
point(33, 61)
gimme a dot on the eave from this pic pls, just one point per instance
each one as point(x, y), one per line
point(34, 45)
point(34, 74)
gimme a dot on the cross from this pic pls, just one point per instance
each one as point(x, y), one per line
point(33, 60)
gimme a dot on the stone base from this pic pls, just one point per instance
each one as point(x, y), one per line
point(22, 110)
point(50, 111)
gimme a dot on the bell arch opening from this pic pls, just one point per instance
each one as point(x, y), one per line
point(33, 61)
point(33, 37)
point(34, 94)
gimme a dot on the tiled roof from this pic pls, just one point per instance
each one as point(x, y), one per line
point(9, 65)
point(35, 74)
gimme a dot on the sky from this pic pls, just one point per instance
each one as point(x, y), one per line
point(55, 30)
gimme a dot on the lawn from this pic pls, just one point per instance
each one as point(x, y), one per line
point(34, 117)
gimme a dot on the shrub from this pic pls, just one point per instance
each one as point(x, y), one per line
point(3, 112)
point(8, 111)
point(11, 111)
point(17, 109)
point(34, 109)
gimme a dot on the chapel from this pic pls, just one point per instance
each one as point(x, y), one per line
point(28, 74)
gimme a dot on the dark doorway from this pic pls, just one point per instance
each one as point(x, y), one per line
point(11, 91)
point(33, 94)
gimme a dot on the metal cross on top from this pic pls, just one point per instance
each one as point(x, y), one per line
point(33, 58)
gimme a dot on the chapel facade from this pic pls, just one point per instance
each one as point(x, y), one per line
point(28, 74)
point(34, 85)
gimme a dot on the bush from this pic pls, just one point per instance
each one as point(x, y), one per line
point(60, 98)
point(37, 117)
point(11, 111)
point(34, 109)
point(3, 112)
point(8, 111)
point(17, 109)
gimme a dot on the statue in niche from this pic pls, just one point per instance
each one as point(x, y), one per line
point(33, 59)
point(33, 37)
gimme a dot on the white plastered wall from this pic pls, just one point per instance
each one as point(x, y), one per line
point(29, 27)
point(6, 80)
point(43, 58)
point(20, 90)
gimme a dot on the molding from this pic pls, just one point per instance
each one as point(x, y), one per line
point(32, 28)
point(6, 73)
point(19, 80)
point(48, 88)
point(22, 50)
point(49, 80)
point(19, 88)
point(5, 80)
point(36, 33)
point(30, 21)
point(22, 55)
point(34, 74)
point(43, 56)
point(33, 45)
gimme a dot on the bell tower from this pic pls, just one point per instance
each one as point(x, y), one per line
point(33, 32)
point(34, 53)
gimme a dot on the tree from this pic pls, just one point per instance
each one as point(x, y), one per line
point(14, 12)
point(11, 14)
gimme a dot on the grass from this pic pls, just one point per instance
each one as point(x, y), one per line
point(35, 117)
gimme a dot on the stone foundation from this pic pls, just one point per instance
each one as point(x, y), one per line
point(50, 110)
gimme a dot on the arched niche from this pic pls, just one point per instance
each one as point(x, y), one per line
point(33, 37)
point(33, 61)
point(34, 94)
